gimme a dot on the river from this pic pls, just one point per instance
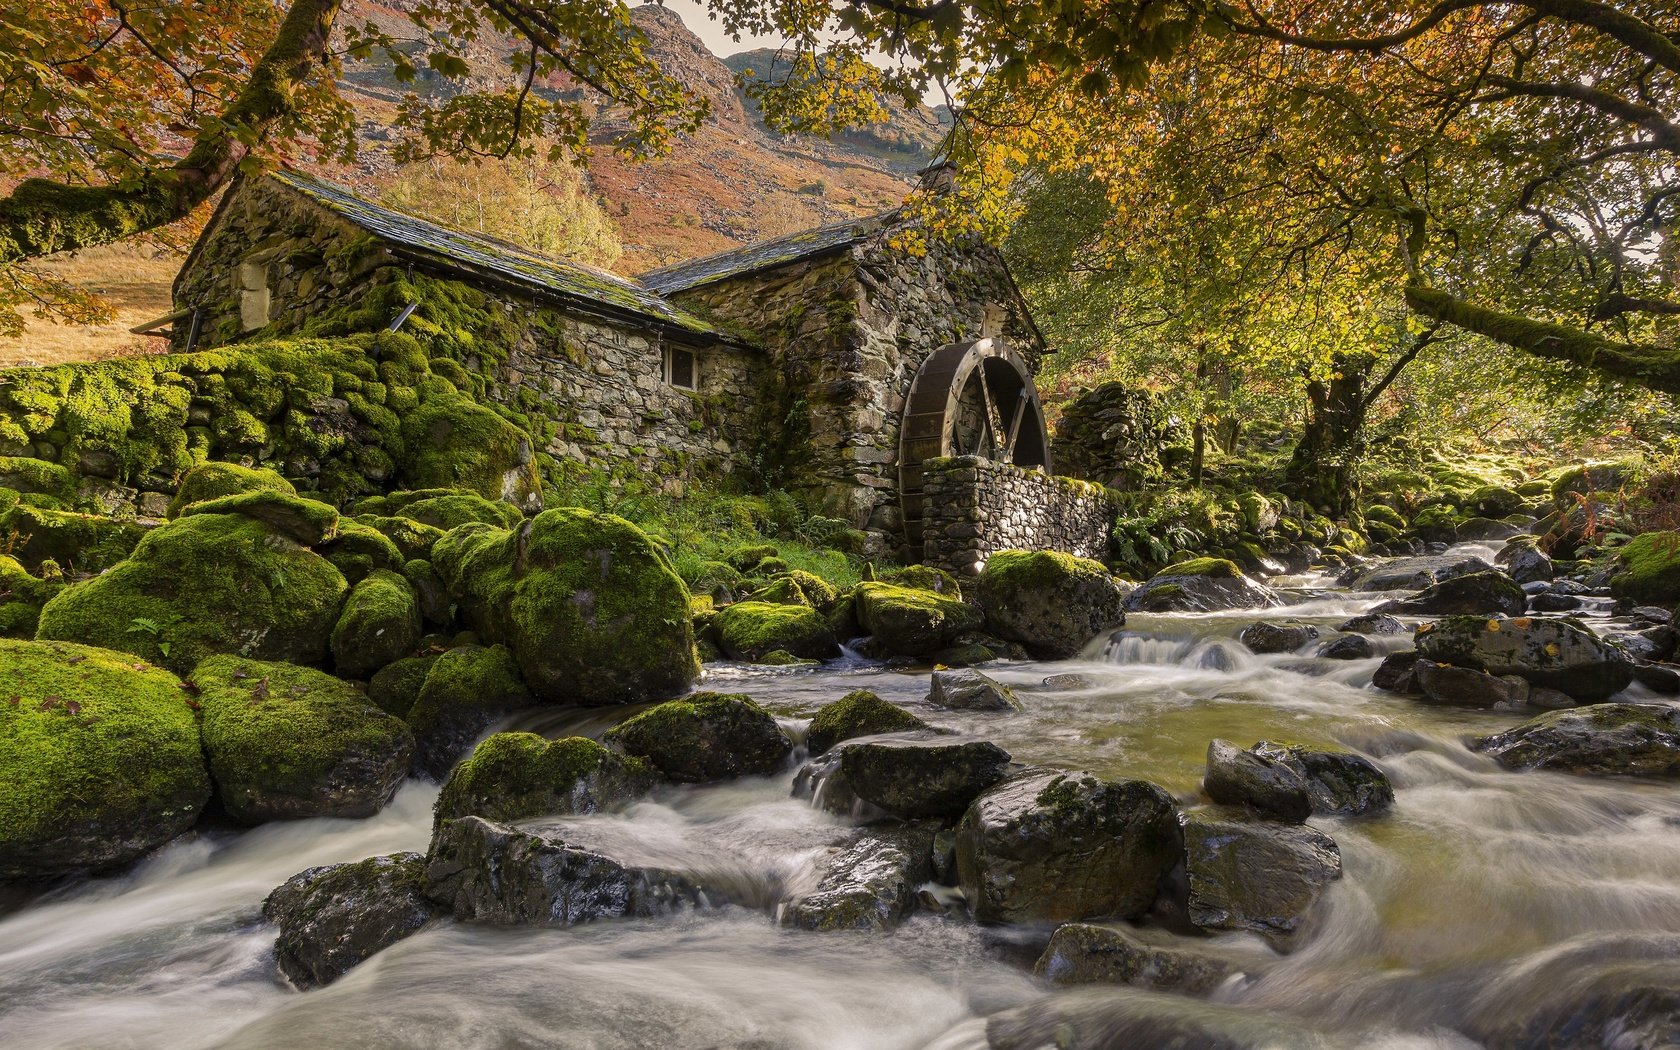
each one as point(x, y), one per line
point(1480, 900)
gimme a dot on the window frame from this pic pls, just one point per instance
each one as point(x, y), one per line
point(667, 368)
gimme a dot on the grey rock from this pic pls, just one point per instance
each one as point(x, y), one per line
point(1394, 674)
point(1139, 1019)
point(1169, 592)
point(1347, 647)
point(335, 916)
point(1258, 876)
point(1490, 592)
point(1554, 601)
point(1243, 778)
point(870, 884)
point(914, 778)
point(1446, 684)
point(1633, 740)
point(1085, 953)
point(1277, 637)
point(1048, 603)
point(1052, 845)
point(1415, 574)
point(969, 690)
point(1530, 565)
point(1338, 782)
point(1557, 653)
point(1372, 623)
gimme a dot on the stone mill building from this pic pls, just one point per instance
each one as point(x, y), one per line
point(889, 388)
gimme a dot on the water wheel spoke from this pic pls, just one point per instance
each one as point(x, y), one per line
point(1015, 427)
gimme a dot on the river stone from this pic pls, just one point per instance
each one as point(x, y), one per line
point(1085, 953)
point(1201, 585)
point(1555, 601)
point(465, 690)
point(529, 875)
point(1663, 679)
point(1606, 991)
point(1337, 782)
point(1395, 673)
point(1347, 647)
point(1446, 684)
point(1489, 592)
point(510, 776)
point(1634, 740)
point(1530, 565)
point(1251, 875)
point(910, 621)
point(1372, 623)
point(1245, 778)
point(1277, 636)
point(858, 713)
point(1557, 653)
point(969, 690)
point(870, 884)
point(1415, 574)
point(1050, 602)
point(917, 778)
point(335, 916)
point(705, 737)
point(1140, 1019)
point(1056, 846)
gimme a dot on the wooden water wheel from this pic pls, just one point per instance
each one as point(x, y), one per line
point(968, 399)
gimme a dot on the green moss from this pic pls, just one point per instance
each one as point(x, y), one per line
point(590, 607)
point(443, 509)
point(380, 623)
point(927, 578)
point(1218, 567)
point(395, 687)
point(747, 559)
point(99, 756)
point(1019, 572)
point(21, 598)
point(303, 521)
point(858, 713)
point(466, 689)
point(453, 442)
point(359, 549)
point(84, 543)
point(703, 737)
point(909, 621)
point(511, 776)
point(285, 742)
point(750, 630)
point(412, 539)
point(38, 476)
point(1650, 570)
point(205, 584)
point(214, 480)
point(1384, 515)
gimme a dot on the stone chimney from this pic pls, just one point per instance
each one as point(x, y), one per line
point(938, 178)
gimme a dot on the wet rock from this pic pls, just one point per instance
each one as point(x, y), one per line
point(1654, 614)
point(1085, 953)
point(1394, 674)
point(969, 690)
point(1555, 653)
point(1662, 679)
point(333, 917)
point(1554, 601)
point(1123, 1019)
point(1347, 647)
point(1050, 602)
point(1201, 585)
point(1277, 636)
point(1446, 684)
point(1530, 565)
point(1603, 992)
point(1056, 846)
point(1634, 740)
point(1337, 782)
point(705, 737)
point(1067, 681)
point(1649, 645)
point(909, 621)
point(1251, 875)
point(858, 713)
point(464, 691)
point(916, 778)
point(1415, 574)
point(1490, 592)
point(870, 884)
point(510, 776)
point(531, 876)
point(1372, 623)
point(1244, 778)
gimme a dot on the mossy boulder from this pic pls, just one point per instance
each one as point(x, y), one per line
point(589, 606)
point(909, 621)
point(914, 779)
point(511, 776)
point(380, 623)
point(1056, 846)
point(303, 521)
point(858, 713)
point(752, 630)
point(206, 584)
point(926, 578)
point(1050, 602)
point(412, 539)
point(1493, 501)
point(21, 598)
point(1200, 585)
point(1631, 740)
point(749, 558)
point(82, 542)
point(359, 550)
point(443, 509)
point(465, 690)
point(1551, 652)
point(454, 442)
point(1260, 876)
point(1649, 570)
point(335, 916)
point(287, 742)
point(395, 687)
point(209, 481)
point(1490, 592)
point(23, 474)
point(705, 737)
point(99, 755)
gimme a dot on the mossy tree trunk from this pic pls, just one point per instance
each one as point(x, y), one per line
point(1324, 469)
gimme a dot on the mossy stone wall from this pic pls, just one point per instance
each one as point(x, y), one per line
point(974, 507)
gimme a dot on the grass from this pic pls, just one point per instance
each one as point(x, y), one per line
point(135, 281)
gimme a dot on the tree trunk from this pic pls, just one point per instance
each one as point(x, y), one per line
point(1324, 469)
point(1198, 430)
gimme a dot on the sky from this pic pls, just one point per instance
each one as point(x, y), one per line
point(693, 13)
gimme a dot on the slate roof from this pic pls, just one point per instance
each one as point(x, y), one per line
point(423, 241)
point(765, 255)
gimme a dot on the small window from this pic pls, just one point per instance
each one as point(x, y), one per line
point(993, 320)
point(682, 368)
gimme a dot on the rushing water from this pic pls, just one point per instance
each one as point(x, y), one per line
point(1481, 900)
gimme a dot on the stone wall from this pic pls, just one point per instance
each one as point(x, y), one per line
point(1115, 435)
point(975, 507)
